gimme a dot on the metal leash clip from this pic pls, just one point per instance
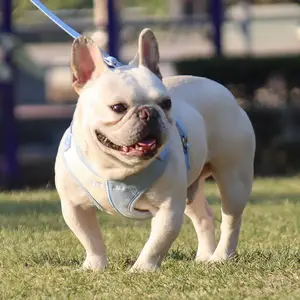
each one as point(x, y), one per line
point(112, 61)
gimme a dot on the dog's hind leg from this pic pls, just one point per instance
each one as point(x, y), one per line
point(201, 215)
point(83, 222)
point(235, 186)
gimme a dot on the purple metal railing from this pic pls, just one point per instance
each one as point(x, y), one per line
point(9, 165)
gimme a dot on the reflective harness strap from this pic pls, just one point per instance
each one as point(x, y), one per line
point(185, 143)
point(76, 165)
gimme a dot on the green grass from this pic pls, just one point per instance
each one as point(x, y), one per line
point(40, 256)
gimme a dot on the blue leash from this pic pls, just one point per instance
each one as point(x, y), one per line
point(111, 61)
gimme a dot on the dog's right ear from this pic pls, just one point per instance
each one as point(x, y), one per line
point(148, 52)
point(87, 62)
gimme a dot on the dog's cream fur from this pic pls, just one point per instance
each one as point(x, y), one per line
point(222, 144)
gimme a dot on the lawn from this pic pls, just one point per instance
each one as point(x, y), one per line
point(40, 256)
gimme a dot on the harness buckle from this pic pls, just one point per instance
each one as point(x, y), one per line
point(185, 143)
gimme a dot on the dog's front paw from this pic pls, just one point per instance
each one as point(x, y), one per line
point(138, 268)
point(202, 258)
point(215, 260)
point(94, 263)
point(219, 258)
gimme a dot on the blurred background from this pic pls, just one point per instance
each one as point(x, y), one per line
point(252, 47)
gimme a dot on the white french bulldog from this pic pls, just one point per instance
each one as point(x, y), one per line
point(142, 146)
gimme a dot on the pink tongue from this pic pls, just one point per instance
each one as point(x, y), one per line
point(147, 143)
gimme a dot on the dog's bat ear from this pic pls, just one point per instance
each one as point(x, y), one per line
point(148, 52)
point(86, 62)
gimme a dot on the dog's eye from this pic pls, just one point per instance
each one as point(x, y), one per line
point(119, 108)
point(166, 104)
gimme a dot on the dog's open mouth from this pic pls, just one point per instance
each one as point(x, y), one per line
point(147, 147)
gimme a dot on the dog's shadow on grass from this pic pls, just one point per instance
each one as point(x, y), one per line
point(176, 254)
point(54, 259)
point(256, 256)
point(173, 254)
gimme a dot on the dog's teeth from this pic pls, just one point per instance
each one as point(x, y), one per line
point(137, 147)
point(106, 142)
point(125, 148)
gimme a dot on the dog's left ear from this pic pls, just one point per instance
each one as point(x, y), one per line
point(148, 52)
point(87, 62)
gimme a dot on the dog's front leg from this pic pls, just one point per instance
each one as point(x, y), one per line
point(83, 222)
point(165, 227)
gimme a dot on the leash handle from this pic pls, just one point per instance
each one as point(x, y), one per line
point(111, 61)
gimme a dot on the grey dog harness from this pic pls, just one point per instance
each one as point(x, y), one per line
point(122, 194)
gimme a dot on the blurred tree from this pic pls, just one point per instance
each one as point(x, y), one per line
point(21, 5)
point(151, 6)
point(154, 6)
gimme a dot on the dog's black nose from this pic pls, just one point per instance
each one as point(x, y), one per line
point(147, 113)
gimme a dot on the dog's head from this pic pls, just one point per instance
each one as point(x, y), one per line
point(126, 110)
